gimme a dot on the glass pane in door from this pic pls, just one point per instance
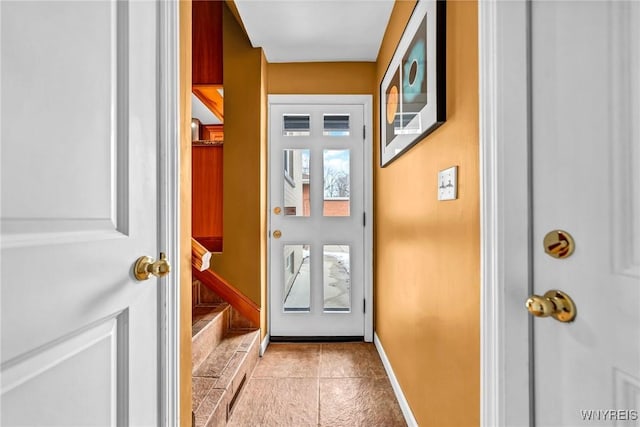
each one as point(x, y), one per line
point(337, 278)
point(337, 182)
point(296, 182)
point(296, 125)
point(297, 278)
point(336, 125)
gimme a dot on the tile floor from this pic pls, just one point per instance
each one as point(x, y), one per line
point(333, 384)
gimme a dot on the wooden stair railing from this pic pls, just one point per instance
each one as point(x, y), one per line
point(200, 256)
point(217, 284)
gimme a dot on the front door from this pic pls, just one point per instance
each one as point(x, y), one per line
point(79, 206)
point(585, 110)
point(317, 208)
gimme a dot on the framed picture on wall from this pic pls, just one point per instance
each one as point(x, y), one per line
point(413, 91)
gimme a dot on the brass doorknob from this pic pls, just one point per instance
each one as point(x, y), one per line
point(553, 303)
point(277, 234)
point(146, 266)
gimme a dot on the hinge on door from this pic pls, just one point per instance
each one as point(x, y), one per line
point(364, 219)
point(364, 305)
point(364, 132)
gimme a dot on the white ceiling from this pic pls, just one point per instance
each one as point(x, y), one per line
point(316, 30)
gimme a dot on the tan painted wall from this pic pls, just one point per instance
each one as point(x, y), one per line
point(427, 259)
point(185, 213)
point(322, 78)
point(241, 262)
point(263, 193)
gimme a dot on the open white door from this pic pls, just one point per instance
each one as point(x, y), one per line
point(585, 73)
point(83, 341)
point(561, 151)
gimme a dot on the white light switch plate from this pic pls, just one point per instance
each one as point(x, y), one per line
point(448, 184)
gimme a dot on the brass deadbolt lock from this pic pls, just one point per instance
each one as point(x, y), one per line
point(559, 244)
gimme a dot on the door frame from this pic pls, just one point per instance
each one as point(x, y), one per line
point(168, 133)
point(367, 102)
point(506, 370)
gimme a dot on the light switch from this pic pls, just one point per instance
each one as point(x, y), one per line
point(448, 184)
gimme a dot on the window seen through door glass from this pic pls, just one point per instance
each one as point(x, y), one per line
point(296, 182)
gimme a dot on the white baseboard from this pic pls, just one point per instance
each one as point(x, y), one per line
point(264, 345)
point(404, 405)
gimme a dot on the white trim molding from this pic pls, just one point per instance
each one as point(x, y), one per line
point(264, 344)
point(169, 217)
point(402, 401)
point(505, 206)
point(489, 329)
point(368, 207)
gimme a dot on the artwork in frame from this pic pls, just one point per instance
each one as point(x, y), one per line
point(413, 92)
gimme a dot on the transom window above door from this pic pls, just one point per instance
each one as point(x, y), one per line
point(333, 124)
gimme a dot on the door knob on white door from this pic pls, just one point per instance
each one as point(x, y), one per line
point(146, 266)
point(553, 303)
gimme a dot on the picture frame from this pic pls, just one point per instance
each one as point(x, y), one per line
point(413, 89)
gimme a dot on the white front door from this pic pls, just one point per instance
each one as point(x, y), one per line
point(317, 230)
point(80, 339)
point(585, 116)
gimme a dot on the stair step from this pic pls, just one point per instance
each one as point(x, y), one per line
point(208, 327)
point(219, 379)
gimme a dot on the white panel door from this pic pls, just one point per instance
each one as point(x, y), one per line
point(586, 180)
point(317, 264)
point(79, 206)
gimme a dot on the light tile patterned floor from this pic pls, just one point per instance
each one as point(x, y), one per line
point(334, 384)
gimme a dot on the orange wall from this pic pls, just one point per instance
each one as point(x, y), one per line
point(263, 193)
point(322, 78)
point(185, 213)
point(244, 175)
point(427, 253)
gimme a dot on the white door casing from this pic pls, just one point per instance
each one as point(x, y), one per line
point(83, 153)
point(558, 122)
point(504, 209)
point(347, 233)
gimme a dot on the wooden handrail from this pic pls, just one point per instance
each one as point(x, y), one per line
point(200, 256)
point(211, 97)
point(234, 297)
